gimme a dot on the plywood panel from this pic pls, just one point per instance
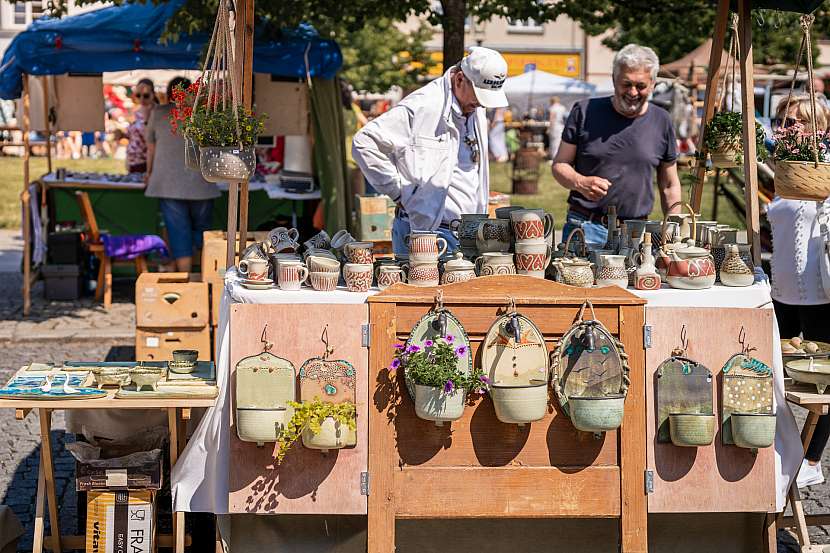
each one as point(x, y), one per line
point(716, 478)
point(528, 493)
point(307, 482)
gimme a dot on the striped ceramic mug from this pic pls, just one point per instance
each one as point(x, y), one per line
point(426, 247)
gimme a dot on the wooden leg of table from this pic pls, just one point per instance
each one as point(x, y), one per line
point(107, 282)
point(99, 290)
point(37, 541)
point(381, 518)
point(798, 517)
point(46, 462)
point(219, 547)
point(178, 517)
point(769, 537)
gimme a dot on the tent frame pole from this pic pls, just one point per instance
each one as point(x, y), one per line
point(25, 198)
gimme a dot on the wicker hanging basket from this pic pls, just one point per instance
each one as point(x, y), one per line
point(724, 159)
point(802, 180)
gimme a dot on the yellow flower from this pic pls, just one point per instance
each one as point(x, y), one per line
point(248, 128)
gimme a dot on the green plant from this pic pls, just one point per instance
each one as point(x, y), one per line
point(436, 365)
point(309, 415)
point(724, 133)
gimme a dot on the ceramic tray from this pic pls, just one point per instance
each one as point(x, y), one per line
point(747, 388)
point(579, 371)
point(169, 392)
point(331, 380)
point(55, 393)
point(205, 371)
point(810, 371)
point(429, 328)
point(684, 386)
point(823, 351)
point(508, 362)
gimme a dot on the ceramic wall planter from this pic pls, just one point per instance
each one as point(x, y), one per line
point(261, 425)
point(265, 384)
point(332, 435)
point(434, 404)
point(227, 164)
point(692, 429)
point(724, 159)
point(520, 404)
point(596, 414)
point(753, 430)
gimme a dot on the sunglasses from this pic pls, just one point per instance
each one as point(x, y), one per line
point(146, 96)
point(786, 122)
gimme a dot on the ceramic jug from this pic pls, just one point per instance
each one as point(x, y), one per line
point(612, 271)
point(733, 270)
point(645, 275)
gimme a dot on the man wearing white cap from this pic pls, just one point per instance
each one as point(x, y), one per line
point(429, 152)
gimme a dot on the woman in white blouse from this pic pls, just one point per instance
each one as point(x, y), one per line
point(801, 305)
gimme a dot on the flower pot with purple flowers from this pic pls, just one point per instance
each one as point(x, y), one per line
point(436, 403)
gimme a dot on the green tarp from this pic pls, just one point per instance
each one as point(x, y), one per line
point(329, 150)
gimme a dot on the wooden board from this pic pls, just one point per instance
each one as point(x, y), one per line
point(308, 482)
point(716, 478)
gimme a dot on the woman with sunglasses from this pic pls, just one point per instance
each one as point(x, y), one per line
point(144, 97)
point(801, 306)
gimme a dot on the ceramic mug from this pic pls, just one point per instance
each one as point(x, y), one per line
point(531, 224)
point(292, 274)
point(254, 269)
point(318, 252)
point(323, 282)
point(532, 257)
point(465, 229)
point(359, 252)
point(495, 263)
point(320, 264)
point(426, 247)
point(340, 239)
point(387, 275)
point(422, 274)
point(504, 212)
point(358, 276)
point(493, 235)
point(320, 240)
point(284, 240)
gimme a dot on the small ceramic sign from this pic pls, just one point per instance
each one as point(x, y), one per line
point(332, 381)
point(508, 361)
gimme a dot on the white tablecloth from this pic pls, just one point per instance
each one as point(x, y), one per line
point(200, 478)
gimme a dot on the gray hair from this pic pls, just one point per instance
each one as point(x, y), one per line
point(634, 56)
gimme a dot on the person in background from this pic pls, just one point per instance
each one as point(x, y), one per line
point(611, 148)
point(498, 146)
point(818, 90)
point(144, 97)
point(185, 198)
point(557, 114)
point(429, 152)
point(801, 306)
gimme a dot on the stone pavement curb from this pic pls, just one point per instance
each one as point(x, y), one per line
point(13, 335)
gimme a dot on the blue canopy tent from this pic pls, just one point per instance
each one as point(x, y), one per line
point(128, 37)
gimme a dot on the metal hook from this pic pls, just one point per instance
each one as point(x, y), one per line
point(266, 345)
point(325, 339)
point(684, 344)
point(439, 299)
point(745, 349)
point(511, 304)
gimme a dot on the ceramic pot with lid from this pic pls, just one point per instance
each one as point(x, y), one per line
point(458, 269)
point(688, 266)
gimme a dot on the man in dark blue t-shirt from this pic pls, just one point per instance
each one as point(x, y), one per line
point(612, 146)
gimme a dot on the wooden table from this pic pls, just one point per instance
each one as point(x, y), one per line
point(178, 411)
point(816, 404)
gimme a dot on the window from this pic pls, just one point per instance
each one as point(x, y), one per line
point(20, 14)
point(524, 26)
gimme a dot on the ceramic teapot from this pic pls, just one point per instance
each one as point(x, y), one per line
point(688, 266)
point(574, 271)
point(458, 269)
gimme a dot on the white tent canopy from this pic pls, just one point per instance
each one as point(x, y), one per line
point(535, 88)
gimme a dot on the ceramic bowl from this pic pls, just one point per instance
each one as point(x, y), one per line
point(145, 376)
point(111, 376)
point(596, 414)
point(332, 435)
point(810, 371)
point(753, 430)
point(520, 404)
point(181, 367)
point(692, 429)
point(185, 355)
point(324, 282)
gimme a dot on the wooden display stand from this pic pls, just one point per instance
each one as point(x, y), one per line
point(478, 467)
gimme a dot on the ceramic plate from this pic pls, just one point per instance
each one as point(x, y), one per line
point(428, 329)
point(810, 371)
point(823, 351)
point(259, 286)
point(508, 363)
point(250, 281)
point(54, 394)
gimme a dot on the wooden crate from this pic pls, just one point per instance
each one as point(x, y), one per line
point(308, 481)
point(718, 478)
point(374, 217)
point(157, 344)
point(171, 300)
point(478, 467)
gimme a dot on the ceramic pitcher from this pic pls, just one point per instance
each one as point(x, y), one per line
point(495, 263)
point(493, 235)
point(466, 230)
point(612, 271)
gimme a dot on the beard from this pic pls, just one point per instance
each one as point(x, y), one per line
point(629, 107)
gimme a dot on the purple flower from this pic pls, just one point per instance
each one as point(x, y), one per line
point(428, 343)
point(485, 380)
point(400, 347)
point(461, 351)
point(449, 338)
point(395, 364)
point(449, 386)
point(413, 349)
point(481, 392)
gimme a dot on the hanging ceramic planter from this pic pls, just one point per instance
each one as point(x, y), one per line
point(515, 359)
point(590, 375)
point(191, 154)
point(433, 403)
point(227, 164)
point(332, 435)
point(692, 429)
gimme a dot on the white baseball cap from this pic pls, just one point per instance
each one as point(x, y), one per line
point(487, 70)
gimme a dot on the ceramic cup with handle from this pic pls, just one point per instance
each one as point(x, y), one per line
point(292, 274)
point(495, 263)
point(284, 239)
point(321, 264)
point(254, 269)
point(422, 274)
point(387, 275)
point(320, 240)
point(323, 281)
point(426, 247)
point(358, 276)
point(359, 252)
point(340, 239)
point(532, 257)
point(531, 224)
point(493, 235)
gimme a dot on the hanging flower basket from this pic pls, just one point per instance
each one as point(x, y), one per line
point(724, 159)
point(227, 163)
point(802, 180)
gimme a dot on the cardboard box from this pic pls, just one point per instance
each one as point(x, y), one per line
point(171, 300)
point(120, 522)
point(158, 344)
point(374, 216)
point(138, 476)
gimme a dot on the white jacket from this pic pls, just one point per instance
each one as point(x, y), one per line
point(409, 153)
